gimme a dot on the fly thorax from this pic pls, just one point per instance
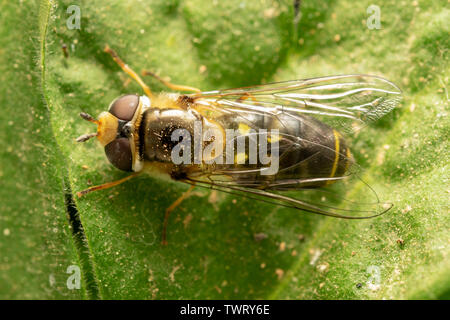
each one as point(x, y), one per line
point(163, 129)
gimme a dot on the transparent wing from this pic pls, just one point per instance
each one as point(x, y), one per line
point(294, 188)
point(323, 201)
point(346, 102)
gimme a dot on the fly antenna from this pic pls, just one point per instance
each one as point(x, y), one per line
point(86, 137)
point(88, 117)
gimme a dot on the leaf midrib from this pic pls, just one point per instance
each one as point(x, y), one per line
point(84, 254)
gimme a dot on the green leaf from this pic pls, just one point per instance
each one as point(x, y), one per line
point(36, 241)
point(114, 235)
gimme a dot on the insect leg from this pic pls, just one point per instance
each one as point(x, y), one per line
point(247, 95)
point(128, 70)
point(106, 185)
point(176, 87)
point(175, 204)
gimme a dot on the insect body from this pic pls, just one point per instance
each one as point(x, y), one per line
point(261, 140)
point(134, 133)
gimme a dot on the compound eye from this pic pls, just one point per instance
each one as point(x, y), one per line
point(125, 107)
point(118, 153)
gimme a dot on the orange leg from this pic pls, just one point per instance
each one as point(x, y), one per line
point(176, 87)
point(247, 95)
point(128, 70)
point(106, 185)
point(175, 204)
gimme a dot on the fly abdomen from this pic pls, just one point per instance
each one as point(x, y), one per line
point(310, 153)
point(315, 156)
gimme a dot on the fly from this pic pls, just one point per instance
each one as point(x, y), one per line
point(295, 127)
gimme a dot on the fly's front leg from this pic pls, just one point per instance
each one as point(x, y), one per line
point(175, 204)
point(128, 70)
point(176, 87)
point(106, 185)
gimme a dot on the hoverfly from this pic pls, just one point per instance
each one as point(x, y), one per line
point(309, 115)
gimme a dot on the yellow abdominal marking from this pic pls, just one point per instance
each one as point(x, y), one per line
point(240, 158)
point(336, 159)
point(349, 157)
point(273, 138)
point(243, 129)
